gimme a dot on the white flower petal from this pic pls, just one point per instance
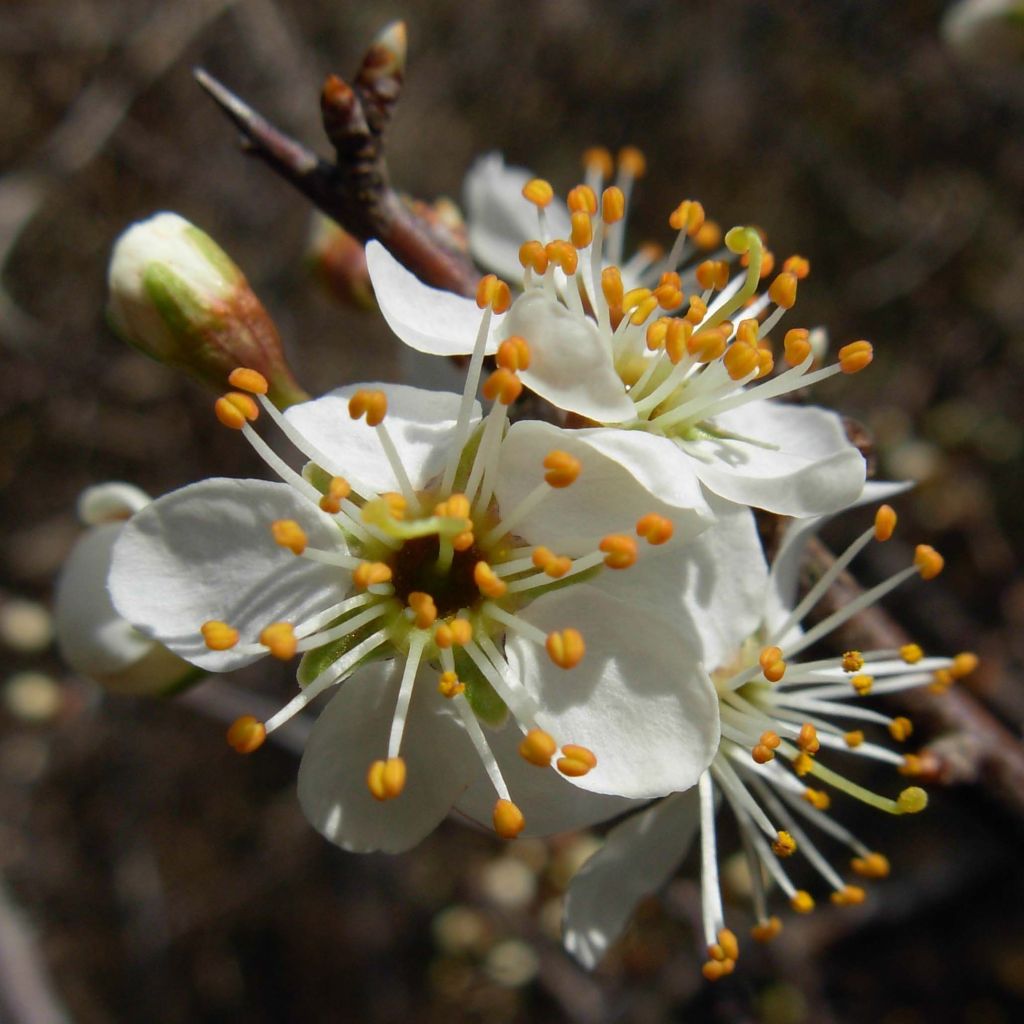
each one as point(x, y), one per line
point(638, 858)
point(421, 423)
point(570, 363)
point(352, 732)
point(500, 219)
point(549, 802)
point(206, 552)
point(639, 699)
point(110, 502)
point(812, 468)
point(427, 319)
point(613, 489)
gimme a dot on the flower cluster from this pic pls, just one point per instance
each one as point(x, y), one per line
point(547, 626)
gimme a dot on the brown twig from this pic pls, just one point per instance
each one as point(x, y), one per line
point(355, 190)
point(971, 745)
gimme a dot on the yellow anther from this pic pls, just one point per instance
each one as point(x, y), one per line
point(807, 739)
point(493, 292)
point(709, 344)
point(784, 845)
point(562, 469)
point(463, 541)
point(912, 800)
point(396, 504)
point(853, 661)
point(487, 581)
point(726, 948)
point(772, 665)
point(901, 729)
point(677, 339)
point(248, 380)
point(502, 386)
point(803, 764)
point(619, 550)
point(854, 738)
point(423, 608)
point(218, 636)
point(371, 404)
point(576, 761)
point(669, 297)
point(747, 331)
point(456, 633)
point(796, 345)
point(634, 297)
point(741, 360)
point(538, 747)
point(782, 290)
point(279, 638)
point(386, 779)
point(632, 161)
point(639, 315)
point(598, 159)
point(855, 356)
point(688, 216)
point(288, 534)
point(508, 819)
point(565, 648)
point(582, 199)
point(802, 901)
point(655, 529)
point(582, 231)
point(765, 359)
point(555, 566)
point(913, 765)
point(798, 266)
point(928, 561)
point(871, 865)
point(448, 685)
point(235, 409)
point(708, 236)
point(514, 354)
point(942, 680)
point(697, 311)
point(611, 287)
point(366, 574)
point(817, 798)
point(885, 522)
point(713, 274)
point(533, 255)
point(563, 254)
point(246, 734)
point(848, 896)
point(656, 333)
point(337, 491)
point(765, 931)
point(538, 191)
point(456, 506)
point(713, 970)
point(613, 205)
point(963, 664)
point(762, 754)
point(911, 653)
point(862, 683)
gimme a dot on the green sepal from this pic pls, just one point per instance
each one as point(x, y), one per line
point(214, 254)
point(482, 697)
point(178, 306)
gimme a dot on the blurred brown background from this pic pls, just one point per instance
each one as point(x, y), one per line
point(151, 875)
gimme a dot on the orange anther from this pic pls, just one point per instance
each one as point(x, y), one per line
point(645, 308)
point(538, 747)
point(900, 729)
point(798, 266)
point(533, 255)
point(493, 292)
point(371, 404)
point(576, 761)
point(817, 798)
point(386, 779)
point(457, 507)
point(456, 633)
point(423, 608)
point(713, 970)
point(565, 648)
point(713, 274)
point(562, 469)
point(765, 359)
point(741, 360)
point(688, 216)
point(619, 549)
point(538, 191)
point(911, 653)
point(611, 287)
point(772, 664)
point(396, 504)
point(563, 254)
point(502, 386)
point(928, 561)
point(598, 159)
point(508, 819)
point(807, 739)
point(582, 199)
point(613, 205)
point(279, 637)
point(885, 522)
point(514, 353)
point(655, 529)
point(913, 765)
point(248, 380)
point(854, 738)
point(582, 231)
point(767, 263)
point(765, 931)
point(337, 491)
point(762, 754)
point(487, 581)
point(656, 333)
point(708, 236)
point(218, 636)
point(707, 345)
point(784, 845)
point(632, 161)
point(802, 901)
point(677, 339)
point(852, 661)
point(782, 290)
point(942, 680)
point(871, 865)
point(862, 684)
point(367, 574)
point(770, 738)
point(855, 356)
point(697, 311)
point(963, 664)
point(448, 685)
point(235, 409)
point(246, 734)
point(727, 947)
point(288, 534)
point(803, 764)
point(797, 345)
point(848, 896)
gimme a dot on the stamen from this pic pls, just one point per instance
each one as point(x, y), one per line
point(620, 551)
point(855, 356)
point(246, 734)
point(508, 819)
point(248, 380)
point(337, 491)
point(796, 345)
point(449, 685)
point(928, 561)
point(366, 574)
point(576, 761)
point(514, 354)
point(872, 865)
point(279, 637)
point(565, 648)
point(417, 643)
point(386, 779)
point(488, 583)
point(456, 633)
point(234, 409)
point(219, 636)
point(371, 404)
point(538, 747)
point(539, 192)
point(655, 529)
point(423, 608)
point(288, 534)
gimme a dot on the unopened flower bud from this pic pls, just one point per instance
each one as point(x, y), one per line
point(338, 261)
point(177, 296)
